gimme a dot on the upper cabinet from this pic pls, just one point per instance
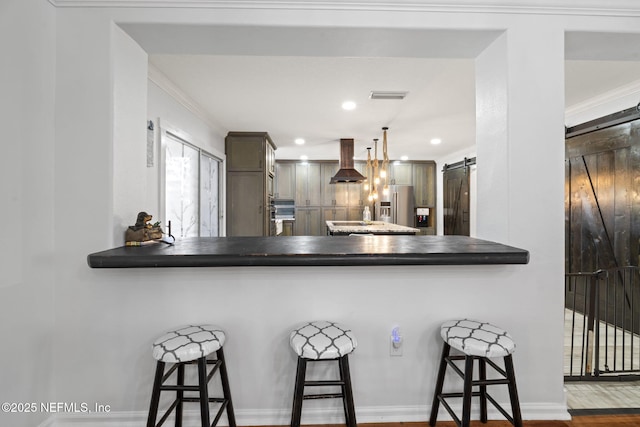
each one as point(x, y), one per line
point(308, 184)
point(250, 152)
point(285, 180)
point(424, 183)
point(401, 173)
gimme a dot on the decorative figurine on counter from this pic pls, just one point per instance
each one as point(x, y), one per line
point(144, 233)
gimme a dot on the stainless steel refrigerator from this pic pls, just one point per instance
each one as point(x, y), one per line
point(398, 206)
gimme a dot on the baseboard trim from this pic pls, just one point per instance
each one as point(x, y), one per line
point(269, 417)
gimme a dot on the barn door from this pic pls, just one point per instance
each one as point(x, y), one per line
point(602, 201)
point(602, 215)
point(456, 198)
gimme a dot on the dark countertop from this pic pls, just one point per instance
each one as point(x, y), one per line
point(311, 251)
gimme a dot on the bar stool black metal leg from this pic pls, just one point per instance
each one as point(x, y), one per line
point(204, 394)
point(482, 375)
point(298, 392)
point(342, 389)
point(345, 373)
point(513, 391)
point(467, 391)
point(179, 395)
point(439, 383)
point(155, 395)
point(226, 390)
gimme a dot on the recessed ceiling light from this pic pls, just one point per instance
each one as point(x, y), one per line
point(299, 141)
point(348, 105)
point(436, 141)
point(404, 158)
point(304, 157)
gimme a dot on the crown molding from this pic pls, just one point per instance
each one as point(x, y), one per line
point(606, 103)
point(625, 8)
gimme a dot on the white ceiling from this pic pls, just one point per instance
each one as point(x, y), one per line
point(301, 97)
point(291, 82)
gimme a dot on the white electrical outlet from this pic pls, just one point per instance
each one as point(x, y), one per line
point(395, 342)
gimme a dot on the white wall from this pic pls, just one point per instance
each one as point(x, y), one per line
point(258, 306)
point(27, 78)
point(131, 193)
point(105, 320)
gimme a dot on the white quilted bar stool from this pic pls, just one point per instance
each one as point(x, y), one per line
point(323, 341)
point(190, 345)
point(479, 341)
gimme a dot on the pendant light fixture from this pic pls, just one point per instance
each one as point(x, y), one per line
point(367, 181)
point(376, 171)
point(384, 172)
point(379, 169)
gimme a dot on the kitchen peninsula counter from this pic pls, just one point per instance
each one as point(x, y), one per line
point(311, 251)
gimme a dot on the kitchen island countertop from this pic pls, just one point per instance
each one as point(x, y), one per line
point(311, 251)
point(344, 228)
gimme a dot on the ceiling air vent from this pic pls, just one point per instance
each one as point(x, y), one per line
point(381, 94)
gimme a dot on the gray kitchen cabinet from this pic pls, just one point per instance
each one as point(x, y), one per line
point(308, 184)
point(354, 213)
point(334, 214)
point(287, 228)
point(332, 194)
point(246, 205)
point(250, 183)
point(309, 222)
point(424, 183)
point(248, 151)
point(285, 180)
point(271, 158)
point(355, 196)
point(358, 196)
point(401, 173)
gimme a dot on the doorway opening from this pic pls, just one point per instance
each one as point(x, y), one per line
point(602, 277)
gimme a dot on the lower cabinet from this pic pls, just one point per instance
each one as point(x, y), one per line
point(287, 228)
point(334, 214)
point(309, 222)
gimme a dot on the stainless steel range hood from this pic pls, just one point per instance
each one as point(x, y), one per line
point(347, 173)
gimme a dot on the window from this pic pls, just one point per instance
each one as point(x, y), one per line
point(191, 188)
